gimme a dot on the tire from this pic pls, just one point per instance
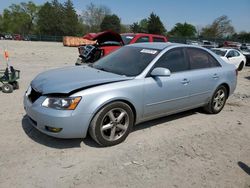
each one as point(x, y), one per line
point(112, 124)
point(15, 85)
point(241, 66)
point(7, 88)
point(217, 101)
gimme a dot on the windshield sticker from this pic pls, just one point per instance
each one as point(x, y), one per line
point(147, 51)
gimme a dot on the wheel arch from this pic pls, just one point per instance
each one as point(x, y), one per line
point(227, 88)
point(117, 100)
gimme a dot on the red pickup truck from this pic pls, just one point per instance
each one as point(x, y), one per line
point(109, 41)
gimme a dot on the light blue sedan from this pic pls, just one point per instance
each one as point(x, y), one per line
point(136, 83)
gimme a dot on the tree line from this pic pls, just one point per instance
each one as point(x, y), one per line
point(61, 19)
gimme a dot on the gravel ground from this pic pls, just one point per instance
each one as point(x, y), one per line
point(190, 149)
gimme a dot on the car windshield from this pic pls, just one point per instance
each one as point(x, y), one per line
point(219, 52)
point(128, 60)
point(127, 38)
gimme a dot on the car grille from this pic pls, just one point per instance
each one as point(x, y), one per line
point(34, 95)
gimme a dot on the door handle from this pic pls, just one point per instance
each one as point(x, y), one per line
point(185, 81)
point(215, 76)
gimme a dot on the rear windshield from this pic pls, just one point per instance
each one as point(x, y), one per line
point(127, 38)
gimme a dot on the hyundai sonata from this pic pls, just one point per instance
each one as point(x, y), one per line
point(136, 83)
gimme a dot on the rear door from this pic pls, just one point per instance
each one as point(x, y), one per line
point(204, 77)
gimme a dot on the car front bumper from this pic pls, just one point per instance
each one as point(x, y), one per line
point(72, 124)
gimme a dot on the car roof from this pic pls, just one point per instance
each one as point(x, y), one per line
point(143, 34)
point(156, 45)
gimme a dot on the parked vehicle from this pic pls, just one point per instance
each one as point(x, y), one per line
point(245, 46)
point(193, 42)
point(136, 83)
point(109, 41)
point(2, 37)
point(246, 53)
point(131, 38)
point(231, 56)
point(208, 44)
point(17, 37)
point(8, 37)
point(232, 44)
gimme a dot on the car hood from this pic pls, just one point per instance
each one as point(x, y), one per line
point(104, 37)
point(69, 79)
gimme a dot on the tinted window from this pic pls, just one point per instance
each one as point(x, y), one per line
point(158, 39)
point(174, 60)
point(128, 61)
point(230, 53)
point(219, 52)
point(127, 38)
point(142, 39)
point(236, 53)
point(200, 59)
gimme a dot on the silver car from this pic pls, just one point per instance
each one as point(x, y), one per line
point(136, 83)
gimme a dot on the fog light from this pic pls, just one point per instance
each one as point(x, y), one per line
point(53, 129)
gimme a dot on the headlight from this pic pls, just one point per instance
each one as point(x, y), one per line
point(69, 103)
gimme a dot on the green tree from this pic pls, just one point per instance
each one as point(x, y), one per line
point(135, 27)
point(141, 27)
point(93, 16)
point(111, 22)
point(20, 18)
point(221, 27)
point(155, 26)
point(70, 19)
point(183, 30)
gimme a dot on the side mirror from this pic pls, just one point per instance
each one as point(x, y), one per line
point(229, 56)
point(159, 71)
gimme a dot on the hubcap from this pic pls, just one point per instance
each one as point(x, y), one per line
point(114, 124)
point(219, 100)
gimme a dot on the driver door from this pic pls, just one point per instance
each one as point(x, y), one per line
point(167, 94)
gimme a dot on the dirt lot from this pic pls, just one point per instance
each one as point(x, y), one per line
point(190, 149)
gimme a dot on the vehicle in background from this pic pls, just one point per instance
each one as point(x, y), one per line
point(246, 53)
point(17, 37)
point(109, 41)
point(8, 37)
point(232, 44)
point(2, 37)
point(193, 42)
point(209, 44)
point(131, 38)
point(245, 46)
point(134, 84)
point(231, 56)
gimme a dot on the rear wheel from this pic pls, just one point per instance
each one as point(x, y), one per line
point(7, 88)
point(241, 66)
point(112, 124)
point(217, 101)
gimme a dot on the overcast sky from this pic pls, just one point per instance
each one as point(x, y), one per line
point(197, 12)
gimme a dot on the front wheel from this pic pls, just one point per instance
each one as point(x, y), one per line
point(112, 124)
point(217, 101)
